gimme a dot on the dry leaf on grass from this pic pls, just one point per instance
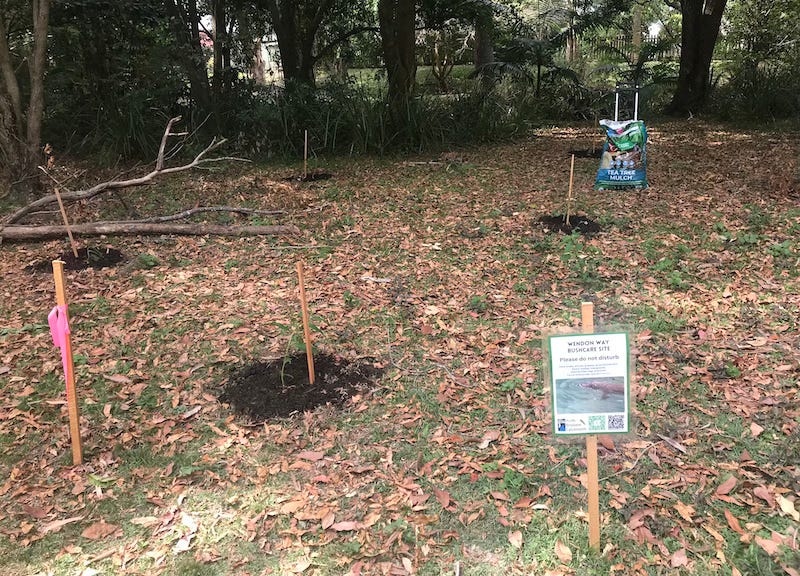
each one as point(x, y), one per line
point(563, 552)
point(99, 530)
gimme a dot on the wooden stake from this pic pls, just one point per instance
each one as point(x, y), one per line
point(66, 223)
point(569, 194)
point(593, 476)
point(72, 396)
point(306, 327)
point(305, 157)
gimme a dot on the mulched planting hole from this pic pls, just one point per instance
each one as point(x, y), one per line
point(310, 177)
point(91, 257)
point(587, 153)
point(577, 223)
point(280, 387)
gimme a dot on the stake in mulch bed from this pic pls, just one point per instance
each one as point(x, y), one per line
point(587, 152)
point(577, 223)
point(281, 388)
point(307, 176)
point(295, 384)
point(569, 222)
point(92, 257)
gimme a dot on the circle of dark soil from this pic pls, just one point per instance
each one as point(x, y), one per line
point(280, 387)
point(91, 257)
point(310, 177)
point(577, 223)
point(587, 153)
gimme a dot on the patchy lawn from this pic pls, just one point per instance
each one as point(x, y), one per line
point(440, 278)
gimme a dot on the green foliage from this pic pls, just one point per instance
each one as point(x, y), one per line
point(761, 62)
point(478, 303)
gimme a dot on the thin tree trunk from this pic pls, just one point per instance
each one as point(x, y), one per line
point(41, 16)
point(258, 68)
point(185, 28)
point(220, 47)
point(636, 32)
point(484, 47)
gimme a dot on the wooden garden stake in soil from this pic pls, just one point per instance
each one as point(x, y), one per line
point(66, 221)
point(306, 328)
point(59, 327)
point(593, 483)
point(305, 157)
point(569, 194)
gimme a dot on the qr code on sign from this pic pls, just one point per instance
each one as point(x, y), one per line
point(616, 422)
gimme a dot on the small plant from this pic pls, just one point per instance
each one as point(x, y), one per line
point(94, 254)
point(512, 384)
point(478, 304)
point(732, 371)
point(351, 300)
point(146, 261)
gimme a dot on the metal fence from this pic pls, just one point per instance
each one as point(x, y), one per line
point(598, 47)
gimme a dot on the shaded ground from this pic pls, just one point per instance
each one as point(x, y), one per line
point(89, 257)
point(281, 387)
point(310, 177)
point(577, 223)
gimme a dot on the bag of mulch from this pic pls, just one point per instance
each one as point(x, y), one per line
point(624, 161)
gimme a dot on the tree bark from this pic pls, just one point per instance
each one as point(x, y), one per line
point(398, 37)
point(700, 25)
point(296, 25)
point(21, 232)
point(636, 32)
point(159, 170)
point(185, 25)
point(20, 127)
point(484, 46)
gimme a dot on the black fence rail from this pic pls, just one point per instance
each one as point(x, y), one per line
point(623, 46)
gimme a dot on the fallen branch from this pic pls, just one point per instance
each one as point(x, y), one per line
point(22, 232)
point(201, 210)
point(70, 195)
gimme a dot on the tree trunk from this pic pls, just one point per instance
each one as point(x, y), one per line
point(636, 32)
point(484, 47)
point(398, 37)
point(296, 25)
point(13, 233)
point(20, 128)
point(221, 50)
point(258, 68)
point(185, 25)
point(699, 30)
point(573, 46)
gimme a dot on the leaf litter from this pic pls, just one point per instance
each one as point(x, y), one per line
point(443, 461)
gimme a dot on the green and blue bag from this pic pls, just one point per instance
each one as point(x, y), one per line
point(624, 160)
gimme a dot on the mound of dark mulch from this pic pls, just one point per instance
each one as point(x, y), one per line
point(587, 153)
point(280, 387)
point(310, 177)
point(91, 257)
point(577, 223)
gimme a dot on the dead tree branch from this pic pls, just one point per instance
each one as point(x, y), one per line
point(159, 170)
point(203, 209)
point(21, 232)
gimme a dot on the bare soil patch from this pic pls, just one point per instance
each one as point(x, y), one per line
point(577, 223)
point(280, 387)
point(90, 257)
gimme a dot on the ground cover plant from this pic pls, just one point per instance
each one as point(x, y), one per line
point(439, 276)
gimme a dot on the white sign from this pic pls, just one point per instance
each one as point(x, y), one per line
point(590, 383)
